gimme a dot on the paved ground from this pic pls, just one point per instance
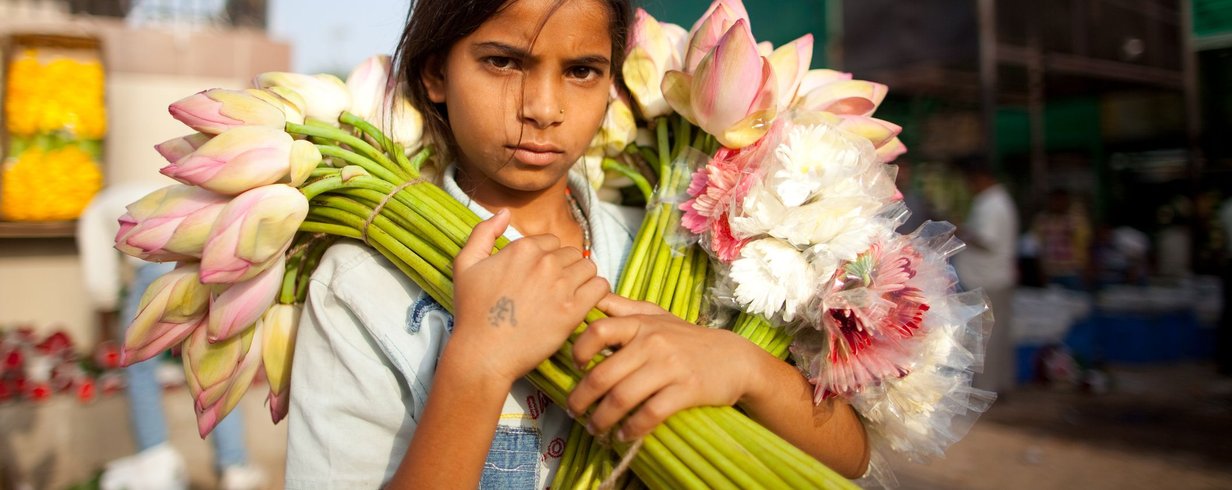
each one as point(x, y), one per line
point(1159, 427)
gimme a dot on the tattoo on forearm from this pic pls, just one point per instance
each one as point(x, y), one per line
point(502, 312)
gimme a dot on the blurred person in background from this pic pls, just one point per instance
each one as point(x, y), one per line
point(1063, 234)
point(989, 262)
point(1223, 346)
point(157, 465)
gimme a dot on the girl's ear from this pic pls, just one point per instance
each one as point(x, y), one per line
point(433, 78)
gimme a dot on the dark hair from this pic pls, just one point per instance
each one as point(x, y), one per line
point(432, 28)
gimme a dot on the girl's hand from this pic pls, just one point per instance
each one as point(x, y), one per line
point(515, 308)
point(664, 364)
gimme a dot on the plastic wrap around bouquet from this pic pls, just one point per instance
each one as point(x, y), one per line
point(770, 211)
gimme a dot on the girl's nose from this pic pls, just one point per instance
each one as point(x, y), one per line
point(542, 104)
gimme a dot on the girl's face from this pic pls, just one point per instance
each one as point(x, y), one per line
point(524, 102)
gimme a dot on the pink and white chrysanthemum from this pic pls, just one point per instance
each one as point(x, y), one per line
point(718, 187)
point(871, 314)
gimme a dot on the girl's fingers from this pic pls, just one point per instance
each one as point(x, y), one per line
point(625, 396)
point(617, 305)
point(581, 271)
point(604, 333)
point(591, 291)
point(602, 378)
point(654, 411)
point(479, 244)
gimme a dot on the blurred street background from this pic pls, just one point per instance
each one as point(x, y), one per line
point(1105, 123)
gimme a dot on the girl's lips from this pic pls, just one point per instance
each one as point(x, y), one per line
point(535, 156)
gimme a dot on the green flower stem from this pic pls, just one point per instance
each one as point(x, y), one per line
point(429, 253)
point(590, 464)
point(638, 180)
point(629, 284)
point(412, 220)
point(649, 471)
point(663, 255)
point(665, 155)
point(381, 140)
point(687, 454)
point(701, 284)
point(322, 171)
point(335, 134)
point(286, 292)
point(717, 450)
point(357, 159)
point(319, 244)
point(565, 472)
point(674, 277)
point(818, 474)
point(731, 448)
point(331, 228)
point(377, 233)
point(651, 157)
point(418, 160)
point(682, 296)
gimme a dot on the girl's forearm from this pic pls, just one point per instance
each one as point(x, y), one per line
point(782, 401)
point(456, 429)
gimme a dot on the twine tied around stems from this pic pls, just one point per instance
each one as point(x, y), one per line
point(381, 205)
point(610, 482)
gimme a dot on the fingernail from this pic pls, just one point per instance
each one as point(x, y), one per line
point(570, 413)
point(620, 435)
point(590, 428)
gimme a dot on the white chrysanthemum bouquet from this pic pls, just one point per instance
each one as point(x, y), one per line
point(770, 211)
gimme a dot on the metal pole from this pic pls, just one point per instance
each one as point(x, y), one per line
point(1035, 108)
point(987, 15)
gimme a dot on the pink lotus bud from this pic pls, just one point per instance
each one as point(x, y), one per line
point(172, 307)
point(817, 78)
point(218, 374)
point(169, 224)
point(279, 404)
point(876, 131)
point(279, 324)
point(706, 34)
point(376, 100)
point(732, 8)
point(732, 95)
point(290, 103)
point(253, 231)
point(216, 110)
point(177, 148)
point(234, 309)
point(368, 83)
point(891, 150)
point(244, 158)
point(325, 96)
point(653, 50)
point(791, 63)
point(845, 97)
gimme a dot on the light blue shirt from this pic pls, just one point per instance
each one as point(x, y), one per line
point(365, 357)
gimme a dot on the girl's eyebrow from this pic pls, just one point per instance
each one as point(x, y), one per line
point(520, 53)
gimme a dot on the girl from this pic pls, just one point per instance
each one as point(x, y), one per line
point(391, 390)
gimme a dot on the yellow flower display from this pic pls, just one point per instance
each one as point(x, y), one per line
point(49, 185)
point(56, 95)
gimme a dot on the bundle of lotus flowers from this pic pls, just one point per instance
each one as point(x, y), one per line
point(770, 211)
point(266, 190)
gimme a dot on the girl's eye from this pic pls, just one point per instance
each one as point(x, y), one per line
point(584, 72)
point(501, 62)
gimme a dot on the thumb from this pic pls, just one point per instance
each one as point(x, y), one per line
point(617, 305)
point(483, 238)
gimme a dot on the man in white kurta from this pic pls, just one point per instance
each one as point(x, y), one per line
point(989, 262)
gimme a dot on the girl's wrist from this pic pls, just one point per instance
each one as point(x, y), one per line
point(467, 365)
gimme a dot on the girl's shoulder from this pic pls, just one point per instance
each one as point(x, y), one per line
point(360, 278)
